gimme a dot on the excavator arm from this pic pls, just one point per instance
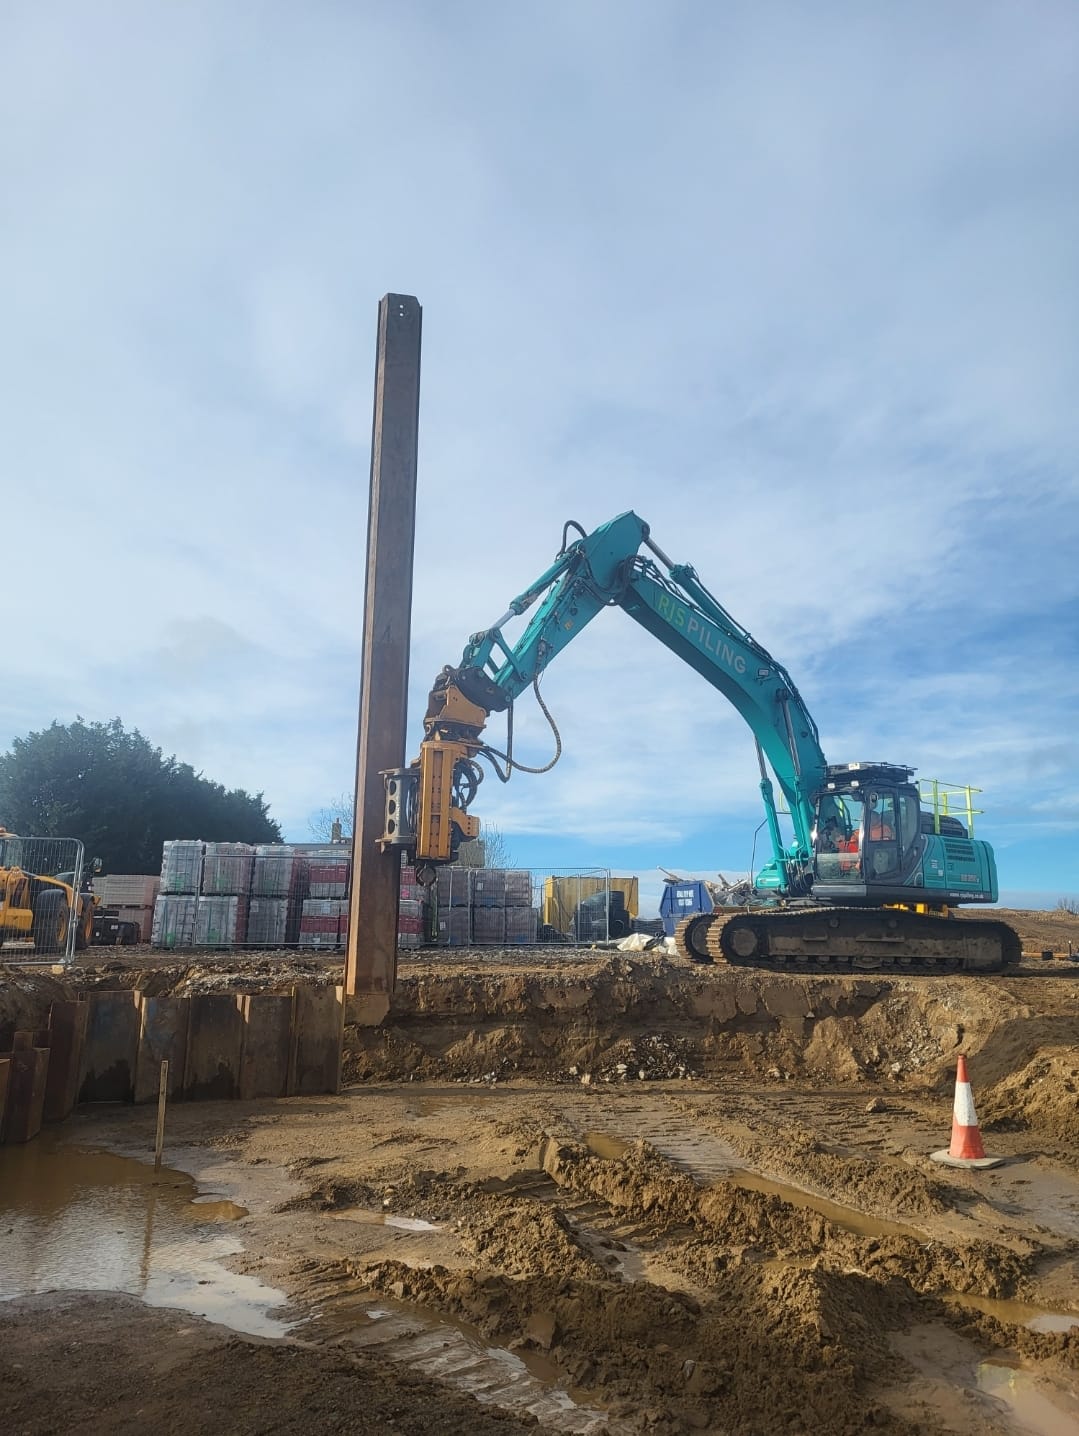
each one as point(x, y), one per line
point(427, 803)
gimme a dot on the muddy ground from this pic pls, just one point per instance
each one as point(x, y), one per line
point(611, 1192)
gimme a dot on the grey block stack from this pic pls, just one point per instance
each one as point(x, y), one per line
point(454, 887)
point(220, 921)
point(226, 869)
point(489, 907)
point(181, 865)
point(267, 921)
point(502, 912)
point(278, 872)
point(174, 920)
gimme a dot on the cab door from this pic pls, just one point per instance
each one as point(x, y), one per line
point(893, 835)
point(881, 837)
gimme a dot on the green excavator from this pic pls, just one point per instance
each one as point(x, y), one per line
point(872, 874)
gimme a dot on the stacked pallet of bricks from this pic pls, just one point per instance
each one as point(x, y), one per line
point(224, 895)
point(502, 911)
point(221, 916)
point(177, 901)
point(409, 910)
point(131, 896)
point(324, 923)
point(454, 896)
point(278, 888)
point(485, 907)
point(324, 918)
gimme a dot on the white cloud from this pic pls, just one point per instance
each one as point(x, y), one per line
point(799, 290)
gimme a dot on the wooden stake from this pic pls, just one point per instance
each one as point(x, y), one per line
point(162, 1094)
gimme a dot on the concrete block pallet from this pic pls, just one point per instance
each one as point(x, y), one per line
point(226, 869)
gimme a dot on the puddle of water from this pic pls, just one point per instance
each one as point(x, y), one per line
point(1018, 1313)
point(386, 1219)
point(848, 1218)
point(216, 1209)
point(446, 1349)
point(1041, 1408)
point(83, 1220)
point(601, 1144)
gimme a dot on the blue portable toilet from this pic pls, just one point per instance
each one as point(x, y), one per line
point(681, 900)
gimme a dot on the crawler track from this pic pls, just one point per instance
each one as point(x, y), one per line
point(848, 940)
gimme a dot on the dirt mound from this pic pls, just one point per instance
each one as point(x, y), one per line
point(1049, 931)
point(749, 1225)
point(860, 1182)
point(744, 1364)
point(1042, 1096)
point(25, 999)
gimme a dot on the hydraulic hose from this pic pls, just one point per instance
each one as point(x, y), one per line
point(508, 758)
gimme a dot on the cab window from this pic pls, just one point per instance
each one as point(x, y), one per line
point(910, 821)
point(882, 827)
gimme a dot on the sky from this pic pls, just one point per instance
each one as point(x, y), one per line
point(797, 284)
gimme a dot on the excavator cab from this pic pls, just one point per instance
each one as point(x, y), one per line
point(869, 832)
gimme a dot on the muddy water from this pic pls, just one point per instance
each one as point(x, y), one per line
point(1037, 1407)
point(1033, 1403)
point(385, 1219)
point(848, 1218)
point(446, 1349)
point(86, 1220)
point(601, 1144)
point(719, 1166)
point(1018, 1313)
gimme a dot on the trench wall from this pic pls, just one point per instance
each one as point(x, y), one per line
point(110, 1046)
point(629, 1021)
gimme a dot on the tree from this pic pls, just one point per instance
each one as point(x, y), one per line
point(120, 795)
point(489, 851)
point(493, 854)
point(1069, 905)
point(342, 810)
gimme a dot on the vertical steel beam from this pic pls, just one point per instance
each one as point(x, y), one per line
point(371, 965)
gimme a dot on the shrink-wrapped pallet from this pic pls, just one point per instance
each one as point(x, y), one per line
point(409, 922)
point(488, 887)
point(324, 923)
point(328, 874)
point(278, 872)
point(518, 884)
point(226, 869)
point(127, 890)
point(454, 927)
point(221, 921)
point(520, 926)
point(174, 920)
point(267, 921)
point(181, 865)
point(488, 926)
point(454, 886)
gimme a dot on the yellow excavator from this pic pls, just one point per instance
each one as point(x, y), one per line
point(37, 907)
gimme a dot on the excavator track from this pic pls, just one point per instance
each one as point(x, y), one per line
point(850, 940)
point(695, 936)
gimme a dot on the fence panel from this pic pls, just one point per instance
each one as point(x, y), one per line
point(46, 916)
point(522, 907)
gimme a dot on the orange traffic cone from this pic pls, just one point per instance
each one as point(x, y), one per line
point(966, 1148)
